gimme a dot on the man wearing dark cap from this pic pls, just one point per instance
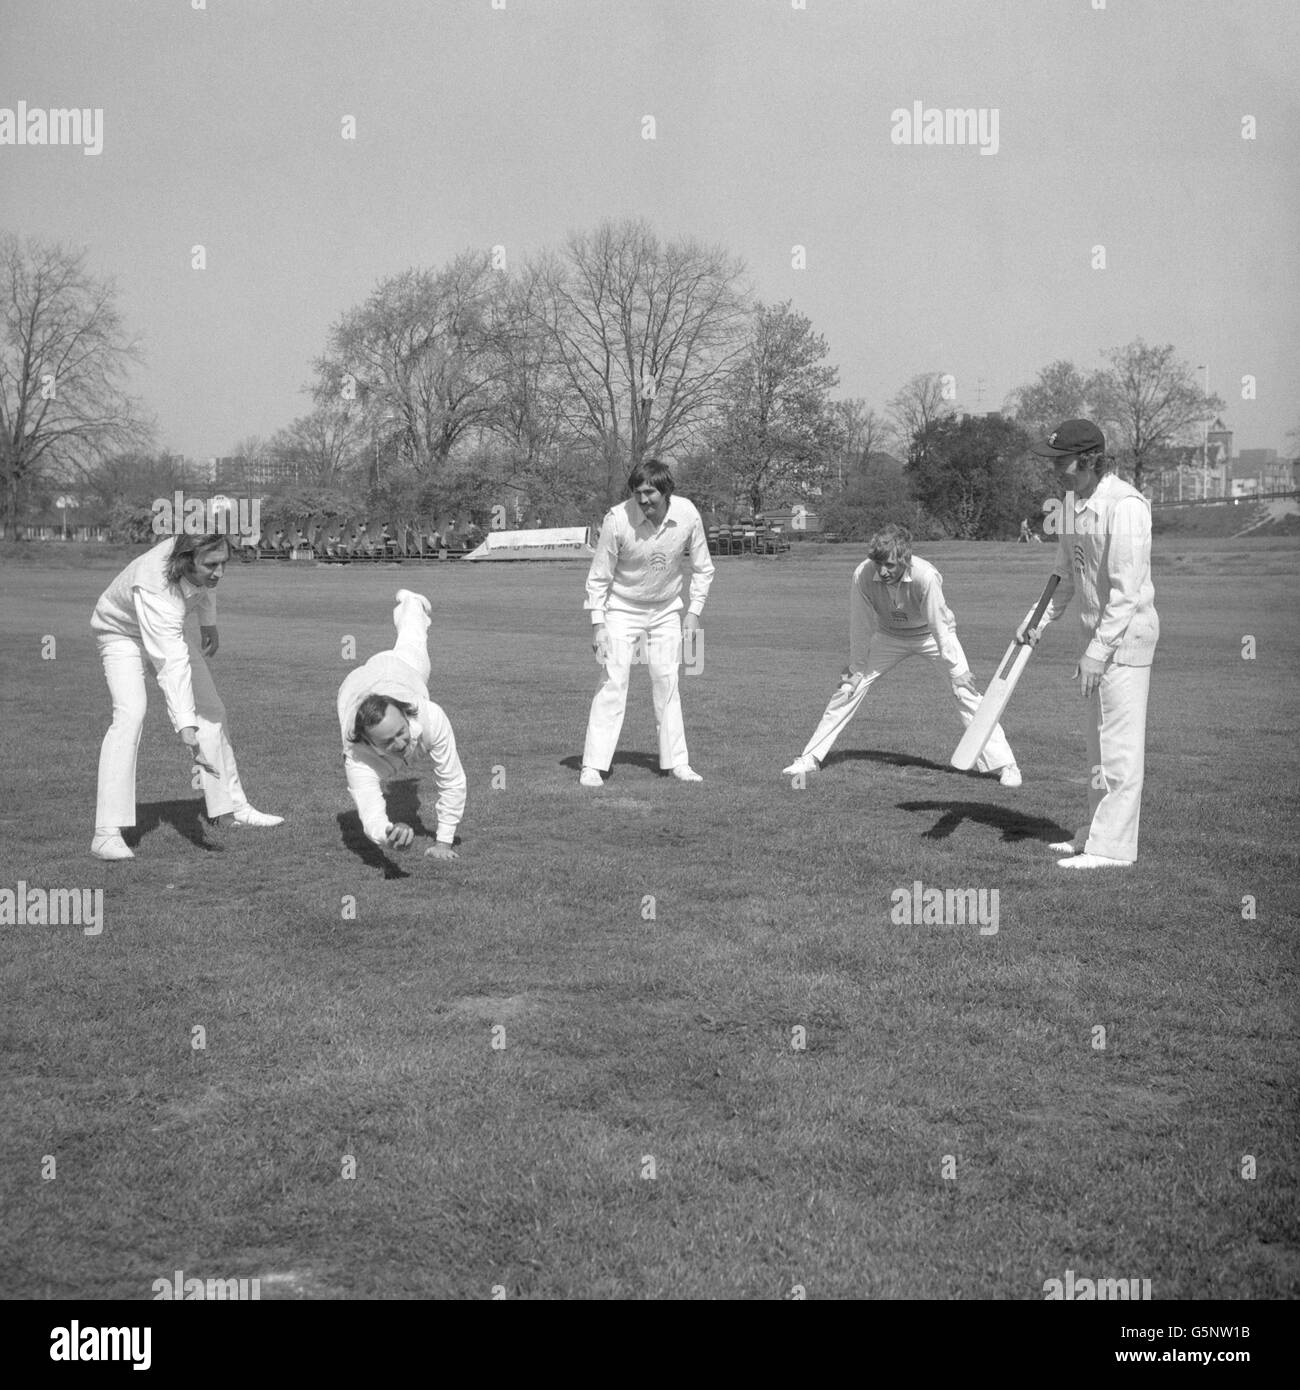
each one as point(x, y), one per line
point(1104, 552)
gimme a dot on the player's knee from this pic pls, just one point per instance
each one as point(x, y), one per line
point(128, 716)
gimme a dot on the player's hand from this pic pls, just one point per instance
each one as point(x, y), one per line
point(1028, 636)
point(850, 680)
point(208, 640)
point(440, 852)
point(600, 644)
point(1089, 672)
point(190, 738)
point(399, 836)
point(966, 681)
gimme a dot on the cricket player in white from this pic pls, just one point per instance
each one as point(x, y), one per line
point(387, 722)
point(1104, 551)
point(648, 546)
point(896, 610)
point(141, 617)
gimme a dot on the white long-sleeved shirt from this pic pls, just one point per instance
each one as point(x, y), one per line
point(143, 604)
point(1104, 551)
point(366, 769)
point(914, 607)
point(639, 567)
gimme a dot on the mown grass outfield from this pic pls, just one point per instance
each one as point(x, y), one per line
point(627, 1038)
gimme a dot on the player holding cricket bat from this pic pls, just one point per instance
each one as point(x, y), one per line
point(897, 610)
point(1104, 551)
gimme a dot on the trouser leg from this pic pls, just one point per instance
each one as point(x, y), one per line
point(605, 721)
point(1116, 760)
point(222, 792)
point(664, 654)
point(411, 619)
point(883, 654)
point(124, 670)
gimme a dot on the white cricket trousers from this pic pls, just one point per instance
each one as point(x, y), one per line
point(412, 621)
point(654, 637)
point(124, 661)
point(1117, 737)
point(886, 650)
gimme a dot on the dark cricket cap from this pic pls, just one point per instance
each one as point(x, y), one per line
point(1073, 437)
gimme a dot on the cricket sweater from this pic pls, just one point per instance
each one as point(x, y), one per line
point(1104, 552)
point(143, 604)
point(914, 607)
point(639, 568)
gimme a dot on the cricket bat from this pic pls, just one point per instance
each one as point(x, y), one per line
point(1014, 661)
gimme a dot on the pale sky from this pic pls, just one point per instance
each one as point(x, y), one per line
point(478, 126)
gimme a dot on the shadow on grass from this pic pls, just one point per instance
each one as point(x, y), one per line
point(876, 755)
point(1014, 825)
point(184, 816)
point(403, 801)
point(648, 761)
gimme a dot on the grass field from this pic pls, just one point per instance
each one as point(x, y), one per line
point(635, 1031)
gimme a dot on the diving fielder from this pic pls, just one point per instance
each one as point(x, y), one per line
point(1104, 551)
point(897, 610)
point(388, 721)
point(647, 547)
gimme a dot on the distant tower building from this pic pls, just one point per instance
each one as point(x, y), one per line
point(1219, 444)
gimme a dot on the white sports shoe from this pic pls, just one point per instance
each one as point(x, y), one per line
point(250, 818)
point(1063, 847)
point(410, 593)
point(1092, 861)
point(805, 762)
point(686, 774)
point(591, 777)
point(1010, 776)
point(111, 847)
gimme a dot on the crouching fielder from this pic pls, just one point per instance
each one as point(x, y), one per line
point(388, 721)
point(896, 610)
point(141, 617)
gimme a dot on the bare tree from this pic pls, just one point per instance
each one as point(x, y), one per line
point(323, 444)
point(778, 427)
point(916, 410)
point(1059, 392)
point(421, 357)
point(863, 433)
point(64, 359)
point(1150, 399)
point(645, 333)
point(532, 416)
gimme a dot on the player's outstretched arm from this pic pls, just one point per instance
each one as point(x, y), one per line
point(368, 794)
point(440, 743)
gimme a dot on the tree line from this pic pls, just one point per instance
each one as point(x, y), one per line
point(445, 390)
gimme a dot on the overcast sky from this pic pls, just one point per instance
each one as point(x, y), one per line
point(479, 126)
